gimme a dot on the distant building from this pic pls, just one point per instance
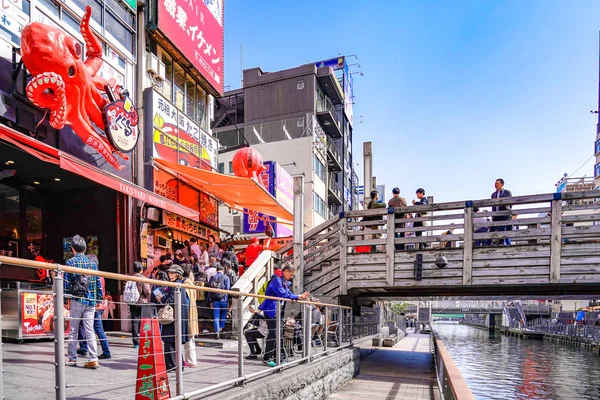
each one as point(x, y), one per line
point(300, 118)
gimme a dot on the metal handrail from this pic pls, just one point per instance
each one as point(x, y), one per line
point(120, 277)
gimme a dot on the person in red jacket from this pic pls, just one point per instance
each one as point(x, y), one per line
point(252, 252)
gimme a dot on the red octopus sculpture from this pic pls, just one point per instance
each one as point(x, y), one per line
point(66, 84)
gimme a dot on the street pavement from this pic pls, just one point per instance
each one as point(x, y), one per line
point(29, 371)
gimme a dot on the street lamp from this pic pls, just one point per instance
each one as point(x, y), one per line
point(361, 74)
point(352, 55)
point(357, 64)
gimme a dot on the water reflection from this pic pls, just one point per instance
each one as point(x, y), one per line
point(505, 368)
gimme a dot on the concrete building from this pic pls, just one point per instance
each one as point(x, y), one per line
point(300, 118)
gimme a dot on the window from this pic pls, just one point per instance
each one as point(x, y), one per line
point(319, 205)
point(300, 122)
point(202, 108)
point(11, 212)
point(300, 84)
point(168, 83)
point(221, 168)
point(190, 98)
point(178, 87)
point(319, 167)
point(230, 167)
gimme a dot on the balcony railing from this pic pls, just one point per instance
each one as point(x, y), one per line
point(334, 187)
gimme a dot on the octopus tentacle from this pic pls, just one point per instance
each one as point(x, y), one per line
point(47, 90)
point(93, 52)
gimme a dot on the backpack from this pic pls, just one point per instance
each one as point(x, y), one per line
point(263, 291)
point(217, 284)
point(80, 286)
point(131, 294)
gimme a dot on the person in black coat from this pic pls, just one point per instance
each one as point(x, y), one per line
point(175, 274)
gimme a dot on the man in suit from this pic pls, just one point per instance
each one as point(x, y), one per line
point(397, 201)
point(422, 201)
point(498, 194)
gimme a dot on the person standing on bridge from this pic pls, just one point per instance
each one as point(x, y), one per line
point(397, 201)
point(422, 201)
point(498, 194)
point(374, 204)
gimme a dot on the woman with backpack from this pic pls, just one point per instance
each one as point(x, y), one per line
point(219, 301)
point(166, 297)
point(137, 295)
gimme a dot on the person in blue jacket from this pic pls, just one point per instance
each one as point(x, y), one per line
point(278, 287)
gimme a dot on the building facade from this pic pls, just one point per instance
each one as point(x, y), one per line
point(166, 58)
point(298, 118)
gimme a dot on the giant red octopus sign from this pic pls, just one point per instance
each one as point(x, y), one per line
point(65, 83)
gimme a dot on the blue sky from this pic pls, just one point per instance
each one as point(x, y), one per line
point(454, 93)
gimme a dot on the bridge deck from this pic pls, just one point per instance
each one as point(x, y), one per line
point(404, 371)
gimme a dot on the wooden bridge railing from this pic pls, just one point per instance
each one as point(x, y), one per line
point(554, 238)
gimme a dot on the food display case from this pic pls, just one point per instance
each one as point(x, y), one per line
point(27, 311)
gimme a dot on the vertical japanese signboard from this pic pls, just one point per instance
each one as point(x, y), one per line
point(178, 139)
point(280, 184)
point(284, 193)
point(152, 380)
point(348, 94)
point(197, 32)
point(255, 222)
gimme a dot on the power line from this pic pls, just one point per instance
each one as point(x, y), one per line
point(582, 165)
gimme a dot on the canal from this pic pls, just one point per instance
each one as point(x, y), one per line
point(505, 368)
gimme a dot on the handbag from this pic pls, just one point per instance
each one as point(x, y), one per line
point(165, 315)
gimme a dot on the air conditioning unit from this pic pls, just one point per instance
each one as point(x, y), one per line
point(152, 64)
point(161, 70)
point(153, 214)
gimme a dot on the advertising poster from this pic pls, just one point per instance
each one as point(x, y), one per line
point(284, 193)
point(209, 210)
point(254, 222)
point(92, 246)
point(37, 314)
point(197, 32)
point(165, 185)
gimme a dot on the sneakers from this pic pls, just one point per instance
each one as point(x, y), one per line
point(71, 363)
point(104, 356)
point(82, 353)
point(251, 357)
point(189, 365)
point(136, 346)
point(204, 330)
point(91, 365)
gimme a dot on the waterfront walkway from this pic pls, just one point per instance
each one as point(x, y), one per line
point(405, 371)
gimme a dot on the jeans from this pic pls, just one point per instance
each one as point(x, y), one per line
point(136, 314)
point(505, 241)
point(99, 330)
point(220, 314)
point(482, 242)
point(82, 314)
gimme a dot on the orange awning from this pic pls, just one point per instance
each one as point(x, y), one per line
point(236, 192)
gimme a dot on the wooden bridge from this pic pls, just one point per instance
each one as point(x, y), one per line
point(555, 250)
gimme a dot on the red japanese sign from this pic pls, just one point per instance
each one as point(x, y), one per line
point(198, 34)
point(152, 380)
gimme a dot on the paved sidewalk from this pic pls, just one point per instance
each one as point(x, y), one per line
point(405, 371)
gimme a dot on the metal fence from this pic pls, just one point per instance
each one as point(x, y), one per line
point(589, 332)
point(194, 366)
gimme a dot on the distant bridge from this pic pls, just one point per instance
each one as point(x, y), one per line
point(542, 309)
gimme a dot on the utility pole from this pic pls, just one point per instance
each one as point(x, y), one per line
point(367, 171)
point(596, 143)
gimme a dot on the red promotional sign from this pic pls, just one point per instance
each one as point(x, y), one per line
point(195, 31)
point(37, 314)
point(152, 381)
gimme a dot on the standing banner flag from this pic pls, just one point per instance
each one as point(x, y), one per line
point(152, 381)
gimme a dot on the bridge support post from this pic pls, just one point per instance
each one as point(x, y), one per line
point(299, 234)
point(390, 247)
point(468, 245)
point(555, 238)
point(343, 255)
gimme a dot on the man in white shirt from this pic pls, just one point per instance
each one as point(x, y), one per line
point(195, 248)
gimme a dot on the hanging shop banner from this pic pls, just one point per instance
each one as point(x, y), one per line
point(255, 222)
point(178, 139)
point(284, 193)
point(335, 63)
point(37, 314)
point(198, 33)
point(174, 221)
point(144, 240)
point(152, 381)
